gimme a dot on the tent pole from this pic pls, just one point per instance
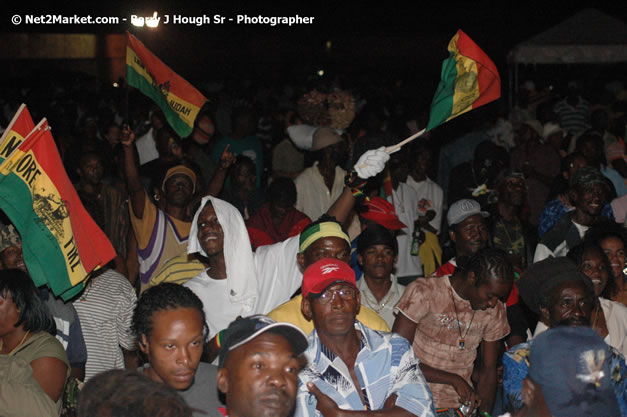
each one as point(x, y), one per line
point(516, 81)
point(511, 90)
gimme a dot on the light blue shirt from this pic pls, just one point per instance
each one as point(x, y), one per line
point(615, 177)
point(385, 365)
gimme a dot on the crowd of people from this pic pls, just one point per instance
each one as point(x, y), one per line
point(280, 262)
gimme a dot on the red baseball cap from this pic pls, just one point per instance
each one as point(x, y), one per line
point(382, 212)
point(325, 272)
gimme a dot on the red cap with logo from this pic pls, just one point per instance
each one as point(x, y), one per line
point(325, 272)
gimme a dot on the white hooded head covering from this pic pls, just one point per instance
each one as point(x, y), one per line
point(302, 136)
point(238, 255)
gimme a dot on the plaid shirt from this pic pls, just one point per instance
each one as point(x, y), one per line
point(385, 365)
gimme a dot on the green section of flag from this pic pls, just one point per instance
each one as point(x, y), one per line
point(136, 80)
point(73, 292)
point(42, 254)
point(442, 104)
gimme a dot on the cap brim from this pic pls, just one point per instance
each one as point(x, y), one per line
point(296, 337)
point(316, 145)
point(483, 214)
point(322, 286)
point(391, 224)
point(302, 136)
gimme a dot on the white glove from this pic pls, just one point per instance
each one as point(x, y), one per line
point(371, 162)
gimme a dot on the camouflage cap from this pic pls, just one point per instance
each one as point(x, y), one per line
point(8, 236)
point(586, 177)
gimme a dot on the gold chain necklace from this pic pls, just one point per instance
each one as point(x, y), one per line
point(462, 338)
point(379, 305)
point(510, 242)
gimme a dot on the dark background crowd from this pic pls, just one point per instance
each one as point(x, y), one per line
point(539, 173)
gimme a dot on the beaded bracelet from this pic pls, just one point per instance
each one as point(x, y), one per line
point(355, 184)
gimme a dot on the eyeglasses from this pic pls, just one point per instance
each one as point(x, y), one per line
point(344, 293)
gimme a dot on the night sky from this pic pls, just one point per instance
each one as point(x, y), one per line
point(384, 38)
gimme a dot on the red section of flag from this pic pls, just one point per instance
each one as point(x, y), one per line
point(161, 73)
point(22, 124)
point(488, 76)
point(387, 184)
point(93, 246)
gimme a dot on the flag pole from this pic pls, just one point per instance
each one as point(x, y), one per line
point(394, 148)
point(12, 122)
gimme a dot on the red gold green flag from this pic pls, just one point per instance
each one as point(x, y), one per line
point(469, 79)
point(61, 242)
point(178, 99)
point(15, 133)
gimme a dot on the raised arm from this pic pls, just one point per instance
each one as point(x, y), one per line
point(136, 191)
point(217, 181)
point(369, 164)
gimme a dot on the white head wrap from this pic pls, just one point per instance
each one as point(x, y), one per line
point(238, 255)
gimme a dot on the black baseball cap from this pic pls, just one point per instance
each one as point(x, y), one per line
point(243, 330)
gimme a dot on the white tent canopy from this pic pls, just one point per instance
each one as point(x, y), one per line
point(588, 37)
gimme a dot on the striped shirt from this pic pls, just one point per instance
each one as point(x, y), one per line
point(178, 270)
point(385, 366)
point(105, 309)
point(159, 238)
point(573, 119)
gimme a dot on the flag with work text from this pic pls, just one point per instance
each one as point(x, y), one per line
point(469, 79)
point(62, 244)
point(179, 100)
point(15, 133)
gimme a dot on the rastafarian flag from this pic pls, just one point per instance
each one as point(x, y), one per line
point(469, 79)
point(62, 244)
point(15, 133)
point(179, 100)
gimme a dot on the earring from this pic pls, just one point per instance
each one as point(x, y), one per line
point(156, 196)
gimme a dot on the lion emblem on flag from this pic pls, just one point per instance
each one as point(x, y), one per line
point(51, 211)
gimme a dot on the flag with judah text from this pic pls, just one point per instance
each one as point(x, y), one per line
point(62, 244)
point(469, 79)
point(179, 100)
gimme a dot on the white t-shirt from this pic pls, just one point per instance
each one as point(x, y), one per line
point(256, 283)
point(219, 311)
point(406, 207)
point(430, 197)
